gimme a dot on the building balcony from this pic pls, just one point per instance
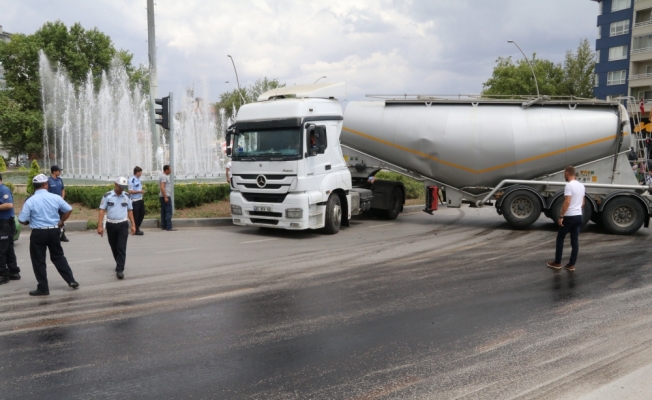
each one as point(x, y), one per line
point(642, 4)
point(642, 24)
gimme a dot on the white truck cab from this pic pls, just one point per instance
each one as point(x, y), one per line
point(288, 170)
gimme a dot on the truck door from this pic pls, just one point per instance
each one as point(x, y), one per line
point(318, 159)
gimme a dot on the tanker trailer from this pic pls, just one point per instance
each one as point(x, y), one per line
point(506, 153)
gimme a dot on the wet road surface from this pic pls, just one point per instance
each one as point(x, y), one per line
point(455, 305)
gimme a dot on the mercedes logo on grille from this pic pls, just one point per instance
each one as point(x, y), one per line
point(261, 181)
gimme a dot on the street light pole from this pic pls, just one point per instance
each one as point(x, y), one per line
point(236, 72)
point(528, 62)
point(239, 92)
point(320, 78)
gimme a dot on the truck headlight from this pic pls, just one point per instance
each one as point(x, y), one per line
point(294, 213)
point(236, 210)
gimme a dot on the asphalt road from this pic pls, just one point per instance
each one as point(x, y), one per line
point(455, 305)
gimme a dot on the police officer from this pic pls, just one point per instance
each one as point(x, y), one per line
point(55, 186)
point(136, 192)
point(9, 270)
point(118, 208)
point(41, 212)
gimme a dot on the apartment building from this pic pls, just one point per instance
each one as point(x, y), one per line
point(624, 50)
point(4, 36)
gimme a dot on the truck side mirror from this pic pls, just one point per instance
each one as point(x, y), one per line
point(229, 152)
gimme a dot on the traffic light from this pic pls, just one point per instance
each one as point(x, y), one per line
point(164, 112)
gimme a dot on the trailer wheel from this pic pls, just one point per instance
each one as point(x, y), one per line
point(623, 216)
point(395, 204)
point(555, 211)
point(521, 208)
point(333, 214)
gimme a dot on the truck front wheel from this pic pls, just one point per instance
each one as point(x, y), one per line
point(333, 214)
point(623, 216)
point(521, 208)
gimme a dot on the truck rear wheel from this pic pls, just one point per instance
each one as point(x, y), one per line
point(555, 211)
point(623, 216)
point(395, 204)
point(521, 208)
point(333, 214)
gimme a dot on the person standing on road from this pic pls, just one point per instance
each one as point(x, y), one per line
point(55, 186)
point(570, 220)
point(119, 212)
point(164, 196)
point(45, 213)
point(9, 270)
point(136, 192)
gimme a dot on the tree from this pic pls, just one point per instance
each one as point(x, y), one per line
point(77, 50)
point(233, 100)
point(34, 170)
point(21, 130)
point(3, 164)
point(579, 70)
point(572, 78)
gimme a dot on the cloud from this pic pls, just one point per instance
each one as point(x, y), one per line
point(376, 46)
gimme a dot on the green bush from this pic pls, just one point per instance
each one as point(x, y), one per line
point(413, 188)
point(11, 187)
point(3, 164)
point(33, 171)
point(91, 224)
point(185, 195)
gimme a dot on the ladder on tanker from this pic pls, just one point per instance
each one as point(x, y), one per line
point(642, 132)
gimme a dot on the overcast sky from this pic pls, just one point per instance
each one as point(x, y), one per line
point(376, 46)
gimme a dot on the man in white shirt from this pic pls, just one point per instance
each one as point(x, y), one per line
point(570, 220)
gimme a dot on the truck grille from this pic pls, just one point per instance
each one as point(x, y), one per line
point(266, 214)
point(264, 221)
point(264, 197)
point(269, 177)
point(270, 187)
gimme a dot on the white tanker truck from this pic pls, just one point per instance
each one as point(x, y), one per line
point(300, 163)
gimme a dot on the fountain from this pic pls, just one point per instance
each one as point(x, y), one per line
point(101, 133)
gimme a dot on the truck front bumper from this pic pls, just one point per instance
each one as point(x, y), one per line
point(311, 216)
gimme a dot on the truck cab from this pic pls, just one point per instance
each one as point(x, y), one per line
point(288, 170)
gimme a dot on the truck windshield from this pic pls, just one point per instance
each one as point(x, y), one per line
point(281, 143)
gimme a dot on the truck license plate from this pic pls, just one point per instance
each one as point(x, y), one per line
point(263, 208)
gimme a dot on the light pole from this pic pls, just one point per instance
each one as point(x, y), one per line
point(319, 78)
point(236, 72)
point(528, 63)
point(237, 90)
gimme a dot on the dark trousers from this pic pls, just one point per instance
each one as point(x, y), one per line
point(571, 224)
point(139, 212)
point(48, 239)
point(166, 213)
point(8, 263)
point(118, 234)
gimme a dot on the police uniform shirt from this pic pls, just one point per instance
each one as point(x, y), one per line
point(55, 186)
point(116, 207)
point(6, 197)
point(42, 209)
point(134, 184)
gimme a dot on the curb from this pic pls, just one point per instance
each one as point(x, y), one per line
point(414, 208)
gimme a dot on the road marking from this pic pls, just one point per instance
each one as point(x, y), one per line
point(178, 250)
point(620, 282)
point(378, 226)
point(83, 261)
point(258, 241)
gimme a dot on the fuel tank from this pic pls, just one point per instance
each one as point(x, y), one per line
point(475, 143)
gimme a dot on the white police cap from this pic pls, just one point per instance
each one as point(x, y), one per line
point(122, 181)
point(40, 178)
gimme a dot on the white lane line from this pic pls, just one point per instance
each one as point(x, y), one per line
point(258, 241)
point(178, 250)
point(83, 261)
point(378, 226)
point(620, 282)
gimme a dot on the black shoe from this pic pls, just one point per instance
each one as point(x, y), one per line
point(4, 279)
point(14, 277)
point(64, 238)
point(171, 229)
point(139, 232)
point(120, 275)
point(39, 292)
point(73, 285)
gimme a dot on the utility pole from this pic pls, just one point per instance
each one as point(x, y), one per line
point(172, 166)
point(153, 83)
